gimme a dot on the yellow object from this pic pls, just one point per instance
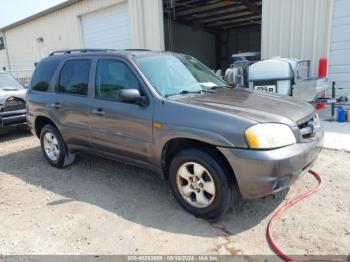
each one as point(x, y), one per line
point(348, 113)
point(252, 139)
point(158, 125)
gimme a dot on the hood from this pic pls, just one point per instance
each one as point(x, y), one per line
point(7, 93)
point(259, 107)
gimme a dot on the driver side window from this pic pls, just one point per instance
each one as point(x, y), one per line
point(111, 77)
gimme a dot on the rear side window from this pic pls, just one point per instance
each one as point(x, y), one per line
point(43, 75)
point(111, 77)
point(74, 77)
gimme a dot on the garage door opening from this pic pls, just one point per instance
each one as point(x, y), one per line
point(107, 28)
point(212, 30)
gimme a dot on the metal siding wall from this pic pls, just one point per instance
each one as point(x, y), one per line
point(146, 24)
point(296, 28)
point(339, 68)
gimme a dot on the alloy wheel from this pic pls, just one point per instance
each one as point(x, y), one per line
point(195, 184)
point(51, 146)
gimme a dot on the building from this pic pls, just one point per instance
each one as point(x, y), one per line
point(80, 24)
point(211, 30)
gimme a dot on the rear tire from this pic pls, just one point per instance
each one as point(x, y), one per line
point(54, 148)
point(201, 183)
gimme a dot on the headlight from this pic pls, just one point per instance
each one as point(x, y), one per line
point(267, 136)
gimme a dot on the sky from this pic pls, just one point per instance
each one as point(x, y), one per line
point(14, 10)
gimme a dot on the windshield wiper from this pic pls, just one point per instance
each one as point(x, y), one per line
point(185, 92)
point(8, 89)
point(222, 86)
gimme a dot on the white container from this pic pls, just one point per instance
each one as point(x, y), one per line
point(273, 75)
point(270, 69)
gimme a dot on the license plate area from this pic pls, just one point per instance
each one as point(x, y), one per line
point(265, 88)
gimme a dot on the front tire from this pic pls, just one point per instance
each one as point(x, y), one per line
point(201, 183)
point(54, 148)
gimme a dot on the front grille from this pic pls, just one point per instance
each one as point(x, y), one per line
point(308, 128)
point(13, 104)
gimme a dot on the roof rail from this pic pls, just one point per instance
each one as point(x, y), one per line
point(136, 49)
point(69, 51)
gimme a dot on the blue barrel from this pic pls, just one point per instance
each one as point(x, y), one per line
point(341, 114)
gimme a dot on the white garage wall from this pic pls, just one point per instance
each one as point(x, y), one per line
point(339, 69)
point(59, 30)
point(297, 28)
point(62, 30)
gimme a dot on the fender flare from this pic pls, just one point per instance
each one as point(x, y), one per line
point(200, 135)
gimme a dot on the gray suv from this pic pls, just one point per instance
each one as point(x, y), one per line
point(170, 113)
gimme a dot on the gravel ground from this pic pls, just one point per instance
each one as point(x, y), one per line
point(99, 206)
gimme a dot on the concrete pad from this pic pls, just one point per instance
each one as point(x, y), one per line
point(337, 135)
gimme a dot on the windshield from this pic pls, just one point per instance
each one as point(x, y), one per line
point(7, 81)
point(178, 74)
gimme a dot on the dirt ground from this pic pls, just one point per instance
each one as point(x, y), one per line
point(100, 207)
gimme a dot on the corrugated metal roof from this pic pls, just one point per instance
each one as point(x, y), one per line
point(40, 14)
point(215, 15)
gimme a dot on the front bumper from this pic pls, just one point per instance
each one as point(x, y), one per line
point(260, 173)
point(13, 119)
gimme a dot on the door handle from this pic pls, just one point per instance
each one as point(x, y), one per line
point(56, 105)
point(99, 112)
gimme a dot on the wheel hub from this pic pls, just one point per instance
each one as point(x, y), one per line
point(195, 184)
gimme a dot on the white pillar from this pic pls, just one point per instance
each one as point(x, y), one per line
point(146, 24)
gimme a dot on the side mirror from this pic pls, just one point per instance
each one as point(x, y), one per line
point(132, 96)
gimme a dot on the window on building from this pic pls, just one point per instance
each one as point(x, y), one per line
point(2, 43)
point(42, 75)
point(113, 76)
point(74, 77)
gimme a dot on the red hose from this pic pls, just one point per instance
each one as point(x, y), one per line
point(279, 211)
